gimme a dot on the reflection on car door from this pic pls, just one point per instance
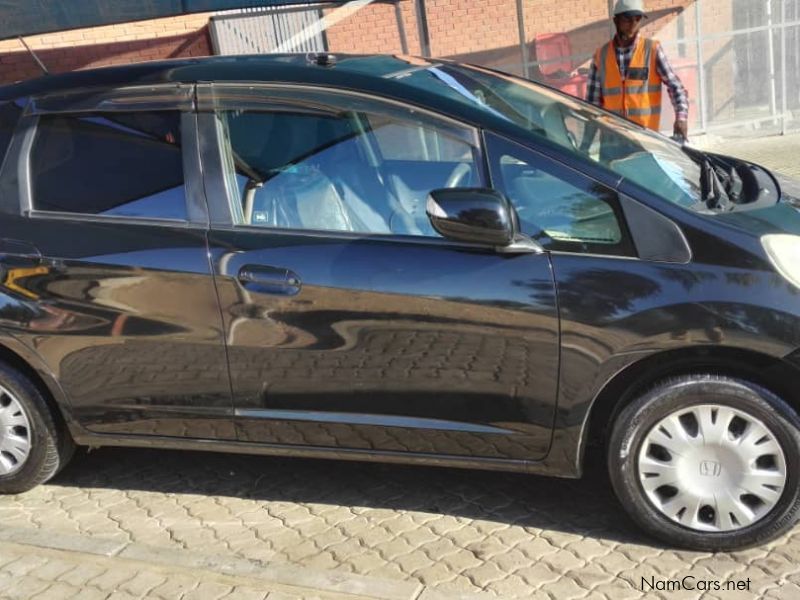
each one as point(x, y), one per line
point(117, 297)
point(349, 326)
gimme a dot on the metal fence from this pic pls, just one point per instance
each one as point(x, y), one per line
point(742, 70)
point(265, 30)
point(742, 80)
point(747, 78)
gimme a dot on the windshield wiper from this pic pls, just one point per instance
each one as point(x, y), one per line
point(714, 193)
point(729, 176)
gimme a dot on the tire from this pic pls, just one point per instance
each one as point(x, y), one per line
point(24, 409)
point(704, 509)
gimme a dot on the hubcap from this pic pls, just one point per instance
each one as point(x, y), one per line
point(712, 468)
point(15, 434)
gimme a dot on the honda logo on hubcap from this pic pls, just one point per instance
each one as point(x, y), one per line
point(709, 468)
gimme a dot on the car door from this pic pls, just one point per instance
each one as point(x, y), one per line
point(350, 323)
point(600, 280)
point(105, 268)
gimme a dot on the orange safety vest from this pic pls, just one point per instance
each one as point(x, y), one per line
point(638, 96)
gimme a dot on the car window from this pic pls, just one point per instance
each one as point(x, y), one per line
point(9, 115)
point(557, 206)
point(409, 141)
point(340, 171)
point(115, 164)
point(587, 132)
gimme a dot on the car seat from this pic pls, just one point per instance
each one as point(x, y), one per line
point(366, 191)
point(296, 193)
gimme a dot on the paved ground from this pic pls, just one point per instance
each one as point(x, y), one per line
point(445, 530)
point(781, 153)
point(143, 523)
point(60, 566)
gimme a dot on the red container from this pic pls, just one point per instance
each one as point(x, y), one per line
point(560, 73)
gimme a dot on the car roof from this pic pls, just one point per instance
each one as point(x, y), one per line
point(265, 68)
point(373, 74)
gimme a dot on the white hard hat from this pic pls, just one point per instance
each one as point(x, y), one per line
point(635, 7)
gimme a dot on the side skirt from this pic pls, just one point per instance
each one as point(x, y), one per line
point(167, 443)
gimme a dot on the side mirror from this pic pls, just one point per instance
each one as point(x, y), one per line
point(478, 216)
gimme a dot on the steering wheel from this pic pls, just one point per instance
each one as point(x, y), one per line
point(459, 175)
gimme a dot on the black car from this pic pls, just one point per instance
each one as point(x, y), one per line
point(397, 259)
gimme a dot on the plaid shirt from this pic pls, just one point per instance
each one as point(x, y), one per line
point(677, 93)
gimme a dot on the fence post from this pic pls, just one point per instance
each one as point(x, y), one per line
point(422, 27)
point(523, 46)
point(701, 71)
point(773, 93)
point(401, 28)
point(784, 74)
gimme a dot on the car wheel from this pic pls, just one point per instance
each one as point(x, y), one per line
point(32, 447)
point(708, 463)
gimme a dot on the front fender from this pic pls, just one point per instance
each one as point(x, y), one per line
point(618, 313)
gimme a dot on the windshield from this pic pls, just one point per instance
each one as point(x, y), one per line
point(637, 154)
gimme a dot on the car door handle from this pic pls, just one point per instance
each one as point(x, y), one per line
point(269, 280)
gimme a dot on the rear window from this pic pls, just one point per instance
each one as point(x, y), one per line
point(9, 115)
point(116, 164)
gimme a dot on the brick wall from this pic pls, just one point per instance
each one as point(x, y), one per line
point(487, 30)
point(374, 29)
point(462, 27)
point(480, 31)
point(587, 26)
point(172, 37)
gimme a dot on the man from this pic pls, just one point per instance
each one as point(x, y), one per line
point(627, 73)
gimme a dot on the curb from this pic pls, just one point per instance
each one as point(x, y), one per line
point(283, 575)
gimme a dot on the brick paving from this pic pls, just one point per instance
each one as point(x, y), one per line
point(452, 531)
point(29, 571)
point(780, 153)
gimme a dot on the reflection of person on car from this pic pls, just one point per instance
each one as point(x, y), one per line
point(627, 74)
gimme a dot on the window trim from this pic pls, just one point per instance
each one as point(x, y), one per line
point(5, 149)
point(90, 218)
point(136, 98)
point(394, 238)
point(23, 163)
point(213, 98)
